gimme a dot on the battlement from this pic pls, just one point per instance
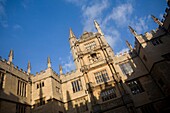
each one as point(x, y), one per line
point(122, 53)
point(5, 62)
point(71, 72)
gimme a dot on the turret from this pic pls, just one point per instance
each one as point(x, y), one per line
point(48, 62)
point(73, 47)
point(129, 45)
point(156, 20)
point(29, 67)
point(98, 27)
point(10, 56)
point(133, 31)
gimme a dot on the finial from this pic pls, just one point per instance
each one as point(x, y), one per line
point(29, 67)
point(60, 69)
point(10, 56)
point(71, 33)
point(129, 45)
point(157, 20)
point(133, 31)
point(48, 62)
point(97, 26)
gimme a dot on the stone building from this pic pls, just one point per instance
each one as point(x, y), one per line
point(137, 81)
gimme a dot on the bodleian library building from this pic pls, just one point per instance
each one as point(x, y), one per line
point(137, 81)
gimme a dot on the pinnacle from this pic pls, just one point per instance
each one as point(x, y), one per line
point(71, 33)
point(132, 31)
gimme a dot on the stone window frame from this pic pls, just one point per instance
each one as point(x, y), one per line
point(101, 76)
point(76, 85)
point(135, 87)
point(126, 68)
point(22, 88)
point(40, 84)
point(20, 108)
point(108, 94)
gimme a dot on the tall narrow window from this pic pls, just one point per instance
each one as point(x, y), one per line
point(135, 87)
point(21, 88)
point(108, 94)
point(101, 76)
point(126, 68)
point(20, 108)
point(76, 85)
point(1, 80)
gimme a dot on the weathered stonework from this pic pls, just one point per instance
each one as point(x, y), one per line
point(137, 81)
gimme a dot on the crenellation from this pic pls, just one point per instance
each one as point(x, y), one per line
point(148, 35)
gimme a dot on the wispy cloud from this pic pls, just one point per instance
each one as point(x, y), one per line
point(111, 35)
point(140, 24)
point(93, 11)
point(17, 27)
point(3, 16)
point(120, 15)
point(67, 63)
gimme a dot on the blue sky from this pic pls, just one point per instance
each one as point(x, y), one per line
point(36, 29)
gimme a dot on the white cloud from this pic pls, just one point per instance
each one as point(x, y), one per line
point(67, 63)
point(3, 16)
point(91, 12)
point(120, 14)
point(112, 36)
point(140, 24)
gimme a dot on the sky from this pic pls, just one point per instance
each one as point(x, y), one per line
point(36, 29)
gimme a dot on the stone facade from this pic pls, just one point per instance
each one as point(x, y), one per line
point(137, 81)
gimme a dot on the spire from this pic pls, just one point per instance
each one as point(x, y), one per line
point(10, 56)
point(129, 45)
point(71, 33)
point(157, 20)
point(29, 67)
point(48, 62)
point(98, 27)
point(133, 31)
point(60, 69)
